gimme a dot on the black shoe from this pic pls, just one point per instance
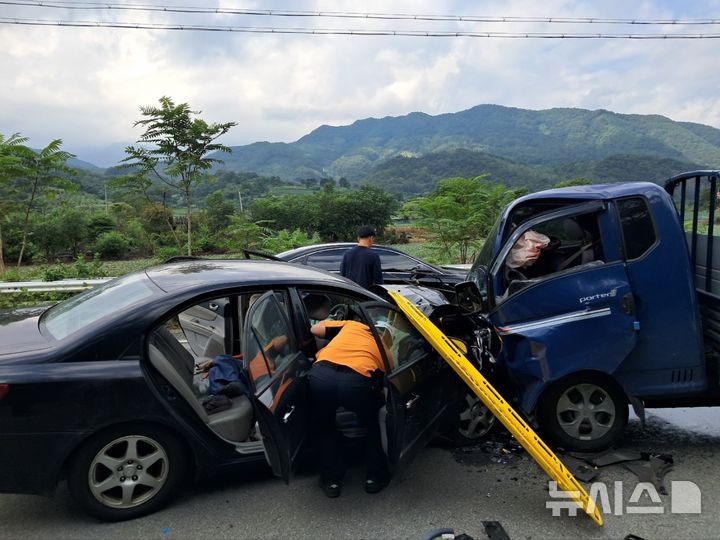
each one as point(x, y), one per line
point(331, 489)
point(375, 486)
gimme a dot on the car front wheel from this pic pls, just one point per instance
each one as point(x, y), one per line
point(584, 413)
point(475, 420)
point(127, 472)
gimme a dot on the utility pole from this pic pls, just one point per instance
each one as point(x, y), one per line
point(240, 198)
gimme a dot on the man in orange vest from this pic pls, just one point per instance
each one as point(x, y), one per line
point(347, 373)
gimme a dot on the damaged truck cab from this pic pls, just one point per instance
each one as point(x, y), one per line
point(608, 314)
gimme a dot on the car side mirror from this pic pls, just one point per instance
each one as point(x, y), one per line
point(468, 298)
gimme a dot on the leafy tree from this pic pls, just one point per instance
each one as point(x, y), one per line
point(217, 212)
point(42, 172)
point(460, 212)
point(284, 240)
point(334, 215)
point(11, 150)
point(174, 151)
point(573, 182)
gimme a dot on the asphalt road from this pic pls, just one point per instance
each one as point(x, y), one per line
point(443, 487)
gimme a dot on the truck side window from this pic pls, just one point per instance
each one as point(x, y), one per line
point(637, 226)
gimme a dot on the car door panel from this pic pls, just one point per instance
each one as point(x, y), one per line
point(275, 367)
point(417, 383)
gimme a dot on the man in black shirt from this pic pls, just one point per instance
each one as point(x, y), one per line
point(360, 263)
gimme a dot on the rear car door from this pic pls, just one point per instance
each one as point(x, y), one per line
point(274, 364)
point(418, 383)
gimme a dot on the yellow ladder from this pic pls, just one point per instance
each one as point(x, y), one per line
point(524, 434)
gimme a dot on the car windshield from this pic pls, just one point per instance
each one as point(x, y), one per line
point(68, 317)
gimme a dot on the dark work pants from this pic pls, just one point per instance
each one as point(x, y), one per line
point(333, 386)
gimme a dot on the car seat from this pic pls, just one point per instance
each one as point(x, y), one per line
point(171, 360)
point(584, 253)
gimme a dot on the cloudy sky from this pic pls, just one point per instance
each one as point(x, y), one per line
point(86, 85)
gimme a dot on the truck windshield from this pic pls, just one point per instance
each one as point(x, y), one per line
point(478, 272)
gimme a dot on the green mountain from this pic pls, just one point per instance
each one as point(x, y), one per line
point(530, 147)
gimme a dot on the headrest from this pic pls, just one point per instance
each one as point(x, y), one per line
point(573, 230)
point(317, 306)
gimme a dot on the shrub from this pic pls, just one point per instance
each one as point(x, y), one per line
point(112, 244)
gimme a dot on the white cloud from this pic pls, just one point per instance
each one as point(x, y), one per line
point(86, 85)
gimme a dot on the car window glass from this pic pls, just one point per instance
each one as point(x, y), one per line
point(637, 226)
point(269, 341)
point(402, 342)
point(82, 310)
point(391, 260)
point(328, 259)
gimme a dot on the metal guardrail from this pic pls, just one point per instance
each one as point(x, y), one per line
point(50, 286)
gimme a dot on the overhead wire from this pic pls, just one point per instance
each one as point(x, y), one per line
point(196, 10)
point(76, 5)
point(351, 32)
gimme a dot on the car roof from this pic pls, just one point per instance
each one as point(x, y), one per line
point(297, 252)
point(199, 274)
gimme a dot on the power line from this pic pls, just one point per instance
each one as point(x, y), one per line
point(352, 15)
point(346, 32)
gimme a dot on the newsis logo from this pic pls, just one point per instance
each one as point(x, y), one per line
point(598, 296)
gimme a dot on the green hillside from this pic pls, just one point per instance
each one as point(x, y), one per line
point(549, 138)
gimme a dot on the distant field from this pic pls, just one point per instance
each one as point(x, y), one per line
point(422, 250)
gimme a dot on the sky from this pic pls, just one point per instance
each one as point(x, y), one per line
point(85, 85)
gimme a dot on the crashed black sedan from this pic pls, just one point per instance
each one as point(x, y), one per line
point(103, 390)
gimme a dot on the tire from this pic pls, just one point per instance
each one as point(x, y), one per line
point(585, 413)
point(475, 421)
point(127, 471)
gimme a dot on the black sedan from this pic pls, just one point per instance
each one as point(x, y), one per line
point(397, 266)
point(106, 389)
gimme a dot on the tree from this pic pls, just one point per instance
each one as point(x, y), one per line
point(175, 151)
point(42, 171)
point(460, 212)
point(10, 166)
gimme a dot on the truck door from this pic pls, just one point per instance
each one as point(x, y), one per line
point(418, 383)
point(274, 363)
point(568, 311)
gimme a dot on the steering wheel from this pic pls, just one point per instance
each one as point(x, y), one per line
point(338, 312)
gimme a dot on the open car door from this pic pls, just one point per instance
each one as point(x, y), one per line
point(274, 363)
point(417, 389)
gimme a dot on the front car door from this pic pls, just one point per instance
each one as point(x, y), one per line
point(573, 309)
point(418, 383)
point(275, 364)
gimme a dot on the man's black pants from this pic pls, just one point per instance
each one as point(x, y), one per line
point(333, 386)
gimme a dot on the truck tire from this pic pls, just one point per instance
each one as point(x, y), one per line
point(585, 413)
point(127, 471)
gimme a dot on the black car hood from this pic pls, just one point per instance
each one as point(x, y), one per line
point(20, 334)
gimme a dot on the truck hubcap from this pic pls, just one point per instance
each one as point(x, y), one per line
point(586, 412)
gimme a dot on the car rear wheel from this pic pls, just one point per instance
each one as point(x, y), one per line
point(475, 420)
point(127, 472)
point(584, 413)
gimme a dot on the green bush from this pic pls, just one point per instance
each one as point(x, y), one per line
point(55, 273)
point(112, 244)
point(11, 274)
point(94, 269)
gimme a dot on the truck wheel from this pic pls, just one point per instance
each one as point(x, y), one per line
point(586, 413)
point(475, 421)
point(127, 472)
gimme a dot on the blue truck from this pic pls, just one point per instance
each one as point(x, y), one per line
point(621, 307)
